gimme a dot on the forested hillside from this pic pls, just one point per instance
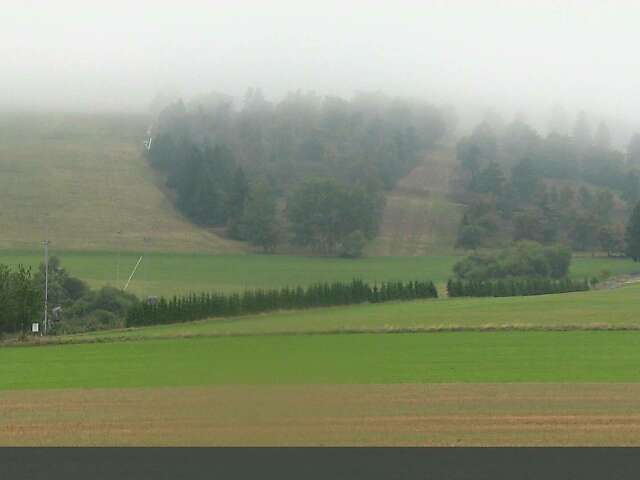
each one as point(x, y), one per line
point(308, 172)
point(572, 188)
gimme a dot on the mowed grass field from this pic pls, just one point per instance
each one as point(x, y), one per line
point(446, 388)
point(172, 273)
point(192, 384)
point(82, 179)
point(477, 357)
point(516, 388)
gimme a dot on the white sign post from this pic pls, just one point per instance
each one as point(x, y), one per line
point(35, 327)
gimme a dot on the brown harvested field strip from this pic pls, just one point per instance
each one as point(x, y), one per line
point(444, 414)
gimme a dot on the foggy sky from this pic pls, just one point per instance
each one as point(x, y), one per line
point(520, 55)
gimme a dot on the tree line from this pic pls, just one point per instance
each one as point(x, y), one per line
point(513, 287)
point(205, 305)
point(306, 170)
point(20, 299)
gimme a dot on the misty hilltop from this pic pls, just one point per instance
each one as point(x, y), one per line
point(512, 56)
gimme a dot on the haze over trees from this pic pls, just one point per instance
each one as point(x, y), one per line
point(574, 189)
point(632, 236)
point(260, 223)
point(324, 214)
point(322, 166)
point(633, 151)
point(328, 159)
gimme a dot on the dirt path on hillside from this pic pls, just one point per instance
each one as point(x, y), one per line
point(420, 217)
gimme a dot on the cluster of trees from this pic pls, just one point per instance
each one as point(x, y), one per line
point(305, 135)
point(20, 299)
point(212, 190)
point(512, 287)
point(560, 155)
point(196, 307)
point(632, 235)
point(523, 259)
point(525, 268)
point(328, 159)
point(80, 308)
point(331, 218)
point(560, 188)
point(100, 309)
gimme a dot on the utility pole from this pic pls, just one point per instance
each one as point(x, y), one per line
point(46, 286)
point(118, 260)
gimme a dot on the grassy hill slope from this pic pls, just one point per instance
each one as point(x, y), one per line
point(420, 218)
point(82, 177)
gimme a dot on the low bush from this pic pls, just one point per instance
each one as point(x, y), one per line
point(97, 310)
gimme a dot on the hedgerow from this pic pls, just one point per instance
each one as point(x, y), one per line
point(205, 305)
point(513, 287)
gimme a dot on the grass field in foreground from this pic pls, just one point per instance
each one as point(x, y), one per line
point(611, 308)
point(391, 415)
point(329, 359)
point(171, 273)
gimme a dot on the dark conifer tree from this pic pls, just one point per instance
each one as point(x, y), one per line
point(632, 236)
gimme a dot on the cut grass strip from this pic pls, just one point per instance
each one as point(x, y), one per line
point(468, 357)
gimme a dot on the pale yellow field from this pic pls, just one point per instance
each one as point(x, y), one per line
point(436, 415)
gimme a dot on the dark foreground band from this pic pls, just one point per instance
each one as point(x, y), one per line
point(318, 463)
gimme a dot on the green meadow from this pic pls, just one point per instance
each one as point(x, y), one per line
point(329, 359)
point(172, 273)
point(169, 273)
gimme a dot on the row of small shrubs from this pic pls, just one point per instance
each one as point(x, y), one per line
point(195, 307)
point(513, 287)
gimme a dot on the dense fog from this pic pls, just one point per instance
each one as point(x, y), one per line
point(514, 57)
